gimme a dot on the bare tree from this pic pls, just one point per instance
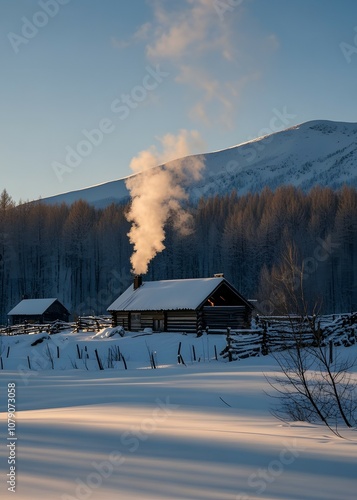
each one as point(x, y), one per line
point(313, 385)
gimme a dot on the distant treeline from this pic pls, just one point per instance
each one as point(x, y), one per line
point(80, 254)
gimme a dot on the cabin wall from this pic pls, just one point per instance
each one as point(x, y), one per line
point(19, 320)
point(54, 312)
point(181, 321)
point(221, 317)
point(216, 318)
point(121, 319)
point(153, 319)
point(49, 317)
point(138, 320)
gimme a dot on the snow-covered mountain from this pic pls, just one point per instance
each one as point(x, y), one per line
point(313, 153)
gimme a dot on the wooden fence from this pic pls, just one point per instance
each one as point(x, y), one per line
point(272, 333)
point(275, 333)
point(83, 323)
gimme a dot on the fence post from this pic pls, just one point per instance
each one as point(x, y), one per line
point(199, 324)
point(229, 345)
point(100, 365)
point(179, 354)
point(265, 349)
point(331, 351)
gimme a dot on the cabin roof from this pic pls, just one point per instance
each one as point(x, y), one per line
point(169, 295)
point(31, 307)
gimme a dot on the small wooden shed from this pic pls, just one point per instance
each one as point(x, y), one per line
point(187, 305)
point(38, 311)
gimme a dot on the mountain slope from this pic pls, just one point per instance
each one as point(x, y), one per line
point(316, 152)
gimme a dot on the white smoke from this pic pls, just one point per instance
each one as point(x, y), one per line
point(157, 193)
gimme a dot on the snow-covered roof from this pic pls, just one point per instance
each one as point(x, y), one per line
point(31, 307)
point(166, 295)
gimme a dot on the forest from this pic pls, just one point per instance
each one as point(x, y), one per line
point(81, 254)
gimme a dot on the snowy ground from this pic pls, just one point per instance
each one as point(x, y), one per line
point(160, 434)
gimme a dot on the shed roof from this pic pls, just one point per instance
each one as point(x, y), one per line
point(31, 307)
point(168, 295)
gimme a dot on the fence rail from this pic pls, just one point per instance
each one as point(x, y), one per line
point(276, 333)
point(83, 323)
point(272, 333)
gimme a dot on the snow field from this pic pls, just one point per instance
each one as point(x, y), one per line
point(164, 434)
point(69, 350)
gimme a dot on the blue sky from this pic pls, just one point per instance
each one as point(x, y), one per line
point(136, 71)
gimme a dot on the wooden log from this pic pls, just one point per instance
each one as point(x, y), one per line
point(229, 345)
point(182, 361)
point(331, 351)
point(179, 353)
point(100, 364)
point(153, 364)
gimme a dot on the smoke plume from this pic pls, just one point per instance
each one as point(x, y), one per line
point(157, 193)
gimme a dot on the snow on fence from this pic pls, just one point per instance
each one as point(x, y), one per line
point(274, 333)
point(92, 323)
point(83, 323)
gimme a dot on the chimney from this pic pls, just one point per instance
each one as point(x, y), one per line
point(138, 281)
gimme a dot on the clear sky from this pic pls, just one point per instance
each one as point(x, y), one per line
point(229, 69)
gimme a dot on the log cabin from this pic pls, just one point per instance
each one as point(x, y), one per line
point(38, 311)
point(185, 305)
